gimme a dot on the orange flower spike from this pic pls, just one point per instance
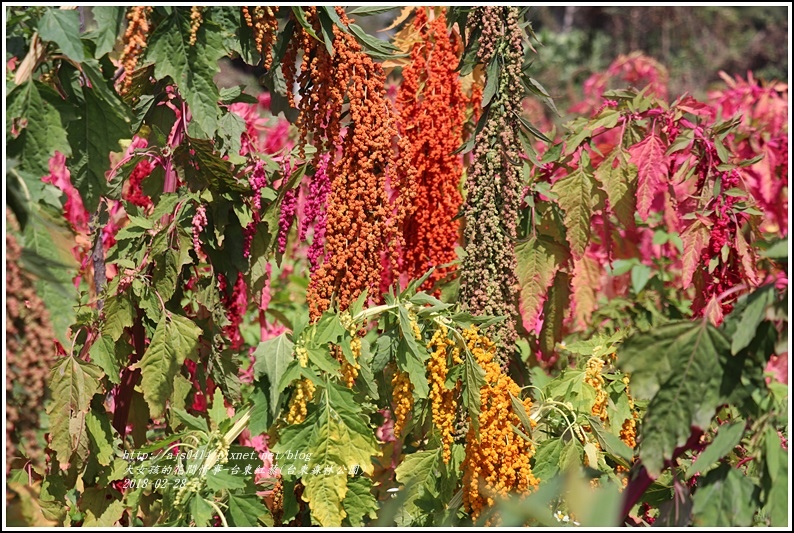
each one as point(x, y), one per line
point(431, 109)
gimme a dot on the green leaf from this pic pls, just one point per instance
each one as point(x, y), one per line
point(191, 67)
point(640, 274)
point(300, 16)
point(201, 511)
point(418, 473)
point(491, 81)
point(575, 194)
point(329, 329)
point(175, 339)
point(246, 510)
point(166, 274)
point(611, 444)
point(110, 356)
point(728, 436)
point(375, 46)
point(62, 26)
point(101, 436)
point(547, 459)
point(751, 318)
point(682, 373)
point(554, 310)
point(725, 498)
point(39, 131)
point(108, 20)
point(359, 503)
point(217, 411)
point(571, 456)
point(365, 11)
point(473, 381)
point(72, 383)
point(260, 413)
point(272, 357)
point(191, 422)
point(102, 124)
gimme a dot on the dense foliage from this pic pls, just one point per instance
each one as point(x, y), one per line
point(385, 290)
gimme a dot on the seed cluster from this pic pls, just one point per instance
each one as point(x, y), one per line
point(487, 278)
point(594, 378)
point(497, 458)
point(196, 18)
point(134, 42)
point(402, 394)
point(264, 24)
point(431, 110)
point(357, 205)
point(302, 395)
point(443, 403)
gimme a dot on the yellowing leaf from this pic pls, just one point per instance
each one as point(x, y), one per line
point(325, 493)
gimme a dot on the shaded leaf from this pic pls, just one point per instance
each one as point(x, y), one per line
point(271, 359)
point(63, 28)
point(575, 195)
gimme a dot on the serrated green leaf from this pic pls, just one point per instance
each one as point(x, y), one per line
point(72, 383)
point(272, 357)
point(191, 422)
point(246, 510)
point(224, 480)
point(575, 193)
point(554, 310)
point(108, 20)
point(217, 411)
point(166, 274)
point(329, 329)
point(110, 356)
point(683, 373)
point(191, 67)
point(571, 456)
point(63, 28)
point(174, 340)
point(728, 436)
point(201, 511)
point(359, 503)
point(39, 132)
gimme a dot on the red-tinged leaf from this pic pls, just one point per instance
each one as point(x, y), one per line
point(695, 238)
point(554, 311)
point(585, 284)
point(575, 194)
point(537, 261)
point(652, 168)
point(619, 182)
point(747, 257)
point(713, 311)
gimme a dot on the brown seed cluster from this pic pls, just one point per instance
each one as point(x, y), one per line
point(497, 459)
point(357, 206)
point(30, 352)
point(264, 25)
point(134, 42)
point(431, 109)
point(488, 281)
point(442, 400)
